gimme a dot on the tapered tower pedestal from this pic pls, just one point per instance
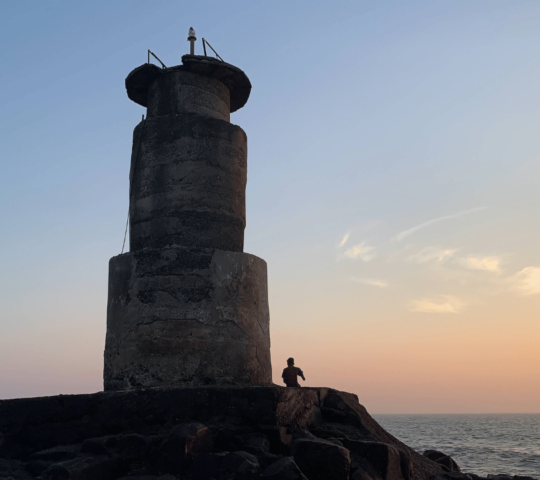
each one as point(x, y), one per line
point(186, 306)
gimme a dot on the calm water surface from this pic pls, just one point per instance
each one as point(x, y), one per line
point(481, 444)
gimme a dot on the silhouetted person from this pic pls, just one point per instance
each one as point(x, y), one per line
point(291, 373)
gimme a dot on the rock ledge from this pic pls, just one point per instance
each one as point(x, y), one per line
point(215, 432)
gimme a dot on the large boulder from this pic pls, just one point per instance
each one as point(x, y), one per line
point(241, 466)
point(384, 458)
point(183, 444)
point(13, 469)
point(85, 467)
point(57, 454)
point(284, 469)
point(321, 460)
point(225, 465)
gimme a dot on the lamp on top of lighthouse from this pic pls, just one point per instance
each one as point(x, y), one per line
point(192, 38)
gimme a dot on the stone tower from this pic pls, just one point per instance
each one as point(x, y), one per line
point(187, 306)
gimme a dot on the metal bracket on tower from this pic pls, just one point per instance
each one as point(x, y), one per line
point(205, 42)
point(155, 56)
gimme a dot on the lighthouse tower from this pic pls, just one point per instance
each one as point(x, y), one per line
point(186, 305)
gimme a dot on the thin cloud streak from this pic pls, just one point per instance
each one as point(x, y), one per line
point(370, 281)
point(405, 233)
point(449, 304)
point(490, 264)
point(527, 281)
point(344, 241)
point(361, 251)
point(429, 254)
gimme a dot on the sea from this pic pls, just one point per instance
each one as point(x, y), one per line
point(482, 444)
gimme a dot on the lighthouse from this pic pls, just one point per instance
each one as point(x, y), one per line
point(186, 305)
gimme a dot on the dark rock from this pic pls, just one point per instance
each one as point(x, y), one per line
point(336, 409)
point(236, 465)
point(266, 459)
point(47, 424)
point(149, 477)
point(406, 463)
point(95, 446)
point(384, 458)
point(442, 459)
point(273, 434)
point(206, 466)
point(241, 465)
point(193, 438)
point(84, 467)
point(302, 433)
point(286, 436)
point(446, 475)
point(57, 454)
point(131, 427)
point(130, 446)
point(473, 476)
point(320, 459)
point(13, 469)
point(255, 442)
point(36, 467)
point(358, 473)
point(335, 441)
point(183, 444)
point(141, 477)
point(283, 469)
point(226, 433)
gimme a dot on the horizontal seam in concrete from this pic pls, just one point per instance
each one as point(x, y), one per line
point(233, 218)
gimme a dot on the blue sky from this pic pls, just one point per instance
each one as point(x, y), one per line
point(366, 119)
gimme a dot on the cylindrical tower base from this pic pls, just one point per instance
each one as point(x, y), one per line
point(187, 317)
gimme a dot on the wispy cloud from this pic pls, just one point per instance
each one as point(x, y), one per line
point(405, 233)
point(361, 251)
point(344, 241)
point(490, 264)
point(445, 304)
point(370, 281)
point(527, 281)
point(430, 254)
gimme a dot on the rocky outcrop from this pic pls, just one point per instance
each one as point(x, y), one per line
point(321, 459)
point(214, 432)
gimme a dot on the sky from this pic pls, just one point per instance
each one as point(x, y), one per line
point(393, 188)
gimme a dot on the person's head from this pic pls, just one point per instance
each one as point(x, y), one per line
point(290, 361)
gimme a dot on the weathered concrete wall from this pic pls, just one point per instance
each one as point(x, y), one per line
point(178, 91)
point(186, 307)
point(187, 317)
point(189, 175)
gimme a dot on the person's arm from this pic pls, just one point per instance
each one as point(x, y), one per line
point(301, 374)
point(283, 377)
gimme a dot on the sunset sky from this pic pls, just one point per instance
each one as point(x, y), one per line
point(393, 188)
